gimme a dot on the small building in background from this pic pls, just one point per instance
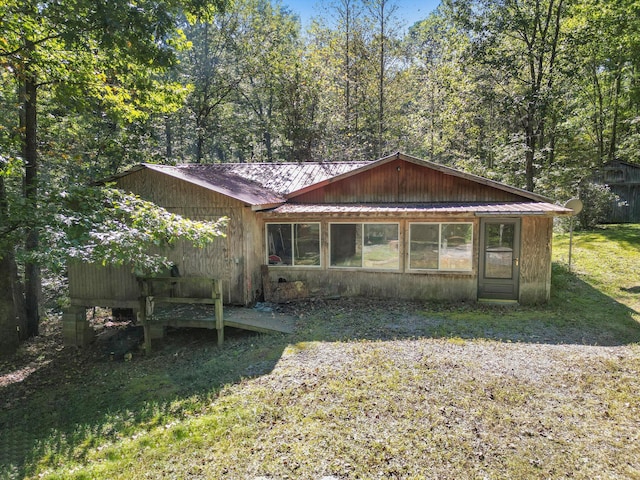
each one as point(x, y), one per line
point(623, 179)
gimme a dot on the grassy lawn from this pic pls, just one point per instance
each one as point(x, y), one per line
point(362, 389)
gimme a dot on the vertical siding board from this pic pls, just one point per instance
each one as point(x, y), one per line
point(95, 282)
point(254, 255)
point(535, 256)
point(401, 181)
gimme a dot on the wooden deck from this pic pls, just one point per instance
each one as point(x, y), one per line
point(161, 305)
point(204, 316)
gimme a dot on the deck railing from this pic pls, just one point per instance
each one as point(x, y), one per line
point(169, 293)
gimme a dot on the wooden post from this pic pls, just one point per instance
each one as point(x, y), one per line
point(76, 330)
point(266, 283)
point(143, 315)
point(217, 295)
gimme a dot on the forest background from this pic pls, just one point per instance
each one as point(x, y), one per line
point(535, 93)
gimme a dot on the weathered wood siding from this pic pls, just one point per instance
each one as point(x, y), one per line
point(95, 285)
point(401, 181)
point(535, 260)
point(393, 285)
point(254, 255)
point(226, 258)
point(624, 180)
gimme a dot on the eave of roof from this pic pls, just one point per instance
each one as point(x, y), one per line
point(621, 162)
point(229, 184)
point(465, 209)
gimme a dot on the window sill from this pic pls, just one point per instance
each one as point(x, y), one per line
point(363, 269)
point(461, 273)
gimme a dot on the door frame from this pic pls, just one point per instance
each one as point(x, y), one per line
point(500, 289)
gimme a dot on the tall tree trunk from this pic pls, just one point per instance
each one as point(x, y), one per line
point(530, 142)
point(614, 121)
point(266, 138)
point(13, 327)
point(28, 123)
point(382, 61)
point(199, 145)
point(598, 115)
point(347, 68)
point(12, 315)
point(168, 134)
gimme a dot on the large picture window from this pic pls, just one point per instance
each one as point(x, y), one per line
point(293, 244)
point(364, 245)
point(441, 246)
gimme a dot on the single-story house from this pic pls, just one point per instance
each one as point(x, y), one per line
point(623, 179)
point(398, 227)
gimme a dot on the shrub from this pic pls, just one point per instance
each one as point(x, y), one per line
point(597, 200)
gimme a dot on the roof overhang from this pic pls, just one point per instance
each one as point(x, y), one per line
point(230, 185)
point(410, 209)
point(266, 206)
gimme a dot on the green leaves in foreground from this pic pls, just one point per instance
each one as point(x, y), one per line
point(107, 226)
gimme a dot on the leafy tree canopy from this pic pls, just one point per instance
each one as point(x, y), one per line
point(104, 225)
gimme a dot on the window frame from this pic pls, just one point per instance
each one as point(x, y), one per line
point(397, 268)
point(439, 269)
point(293, 239)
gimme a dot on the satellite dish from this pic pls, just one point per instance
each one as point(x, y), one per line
point(574, 204)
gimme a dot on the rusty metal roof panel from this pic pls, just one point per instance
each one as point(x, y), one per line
point(257, 183)
point(222, 182)
point(477, 209)
point(285, 178)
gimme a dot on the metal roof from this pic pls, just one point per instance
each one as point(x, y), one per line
point(478, 209)
point(257, 184)
point(271, 185)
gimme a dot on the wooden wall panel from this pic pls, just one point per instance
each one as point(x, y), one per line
point(627, 209)
point(404, 182)
point(535, 258)
point(94, 285)
point(405, 286)
point(170, 192)
point(624, 180)
point(254, 256)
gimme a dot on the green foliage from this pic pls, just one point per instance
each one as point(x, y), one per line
point(107, 226)
point(597, 202)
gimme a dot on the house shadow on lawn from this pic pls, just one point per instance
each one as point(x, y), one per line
point(78, 399)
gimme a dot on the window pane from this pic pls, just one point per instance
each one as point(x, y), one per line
point(307, 243)
point(498, 261)
point(456, 248)
point(423, 250)
point(381, 246)
point(346, 245)
point(279, 243)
